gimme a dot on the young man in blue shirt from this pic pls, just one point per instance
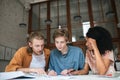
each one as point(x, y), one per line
point(65, 58)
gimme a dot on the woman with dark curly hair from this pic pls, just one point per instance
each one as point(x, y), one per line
point(99, 53)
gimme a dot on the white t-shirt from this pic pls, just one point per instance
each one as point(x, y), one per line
point(38, 61)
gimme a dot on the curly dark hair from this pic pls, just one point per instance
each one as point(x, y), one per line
point(102, 37)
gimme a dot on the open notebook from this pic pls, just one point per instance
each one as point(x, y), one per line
point(15, 75)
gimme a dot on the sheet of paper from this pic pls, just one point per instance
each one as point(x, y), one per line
point(33, 76)
point(53, 77)
point(80, 77)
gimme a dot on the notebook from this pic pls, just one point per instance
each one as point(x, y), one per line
point(15, 75)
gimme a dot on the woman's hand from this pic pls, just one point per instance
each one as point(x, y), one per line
point(93, 43)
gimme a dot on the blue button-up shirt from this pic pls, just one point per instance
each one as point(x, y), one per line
point(74, 59)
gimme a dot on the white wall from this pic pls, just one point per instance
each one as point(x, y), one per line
point(11, 14)
point(11, 35)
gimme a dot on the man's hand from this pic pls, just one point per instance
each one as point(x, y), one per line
point(38, 71)
point(64, 72)
point(67, 72)
point(52, 73)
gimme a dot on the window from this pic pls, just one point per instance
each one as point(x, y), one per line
point(86, 26)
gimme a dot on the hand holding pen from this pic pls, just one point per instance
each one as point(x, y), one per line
point(67, 72)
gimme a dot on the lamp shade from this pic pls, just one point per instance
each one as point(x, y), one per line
point(48, 21)
point(110, 13)
point(77, 18)
point(22, 25)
